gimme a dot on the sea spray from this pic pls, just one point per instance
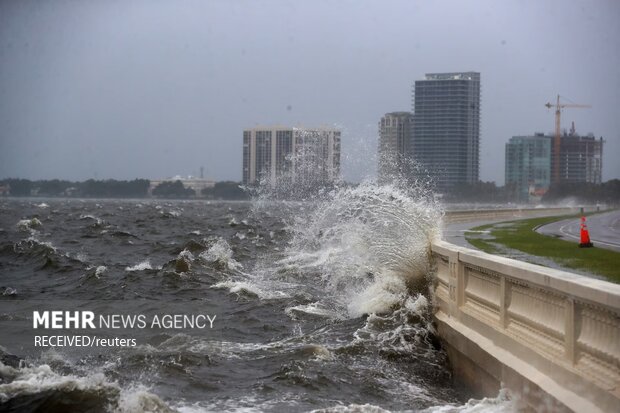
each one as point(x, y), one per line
point(221, 254)
point(367, 245)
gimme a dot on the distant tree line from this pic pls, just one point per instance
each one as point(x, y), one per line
point(225, 190)
point(170, 189)
point(483, 192)
point(138, 188)
point(110, 188)
point(487, 192)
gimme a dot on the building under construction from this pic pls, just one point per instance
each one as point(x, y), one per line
point(581, 158)
point(531, 160)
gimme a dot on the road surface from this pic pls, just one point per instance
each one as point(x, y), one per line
point(604, 229)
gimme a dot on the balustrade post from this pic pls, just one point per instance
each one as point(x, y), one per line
point(569, 330)
point(503, 302)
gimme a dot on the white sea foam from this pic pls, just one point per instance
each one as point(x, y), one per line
point(141, 266)
point(242, 404)
point(352, 408)
point(138, 399)
point(226, 349)
point(100, 270)
point(503, 403)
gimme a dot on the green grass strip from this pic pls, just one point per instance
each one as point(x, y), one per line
point(521, 235)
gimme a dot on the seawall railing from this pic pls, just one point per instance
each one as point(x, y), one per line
point(457, 216)
point(551, 336)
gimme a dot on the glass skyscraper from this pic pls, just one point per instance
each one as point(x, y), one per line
point(446, 128)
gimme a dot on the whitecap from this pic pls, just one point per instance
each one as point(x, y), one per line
point(141, 266)
point(38, 379)
point(313, 309)
point(186, 254)
point(100, 270)
point(249, 288)
point(9, 291)
point(28, 224)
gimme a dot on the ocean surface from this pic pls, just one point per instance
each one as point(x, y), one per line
point(322, 305)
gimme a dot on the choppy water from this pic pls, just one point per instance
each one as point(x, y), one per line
point(320, 305)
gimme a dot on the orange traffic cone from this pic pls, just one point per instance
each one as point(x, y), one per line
point(585, 235)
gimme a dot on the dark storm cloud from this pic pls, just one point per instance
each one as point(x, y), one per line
point(153, 88)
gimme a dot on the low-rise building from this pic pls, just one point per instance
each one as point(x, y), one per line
point(189, 182)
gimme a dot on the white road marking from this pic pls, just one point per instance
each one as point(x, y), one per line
point(569, 234)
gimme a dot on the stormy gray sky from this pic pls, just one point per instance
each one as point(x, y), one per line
point(126, 89)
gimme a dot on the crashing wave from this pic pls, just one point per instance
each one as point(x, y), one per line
point(28, 224)
point(221, 253)
point(27, 387)
point(369, 245)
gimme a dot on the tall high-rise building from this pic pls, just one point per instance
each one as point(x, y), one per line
point(395, 144)
point(529, 162)
point(299, 155)
point(446, 128)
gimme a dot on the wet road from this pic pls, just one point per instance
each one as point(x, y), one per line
point(604, 229)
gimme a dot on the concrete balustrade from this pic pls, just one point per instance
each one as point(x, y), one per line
point(550, 336)
point(452, 217)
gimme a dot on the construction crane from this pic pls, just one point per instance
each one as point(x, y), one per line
point(556, 141)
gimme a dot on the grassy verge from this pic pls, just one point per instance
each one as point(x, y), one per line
point(520, 235)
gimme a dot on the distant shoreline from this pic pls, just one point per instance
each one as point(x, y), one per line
point(114, 189)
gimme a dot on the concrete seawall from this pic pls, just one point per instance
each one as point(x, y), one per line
point(550, 336)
